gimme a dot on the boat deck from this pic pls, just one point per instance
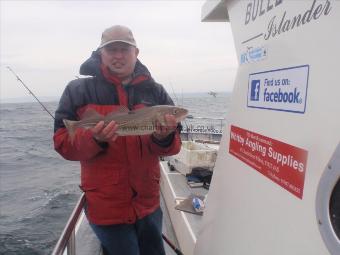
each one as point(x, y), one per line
point(175, 189)
point(87, 242)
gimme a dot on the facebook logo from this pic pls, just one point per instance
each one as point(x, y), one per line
point(255, 90)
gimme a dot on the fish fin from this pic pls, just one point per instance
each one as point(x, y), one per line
point(123, 124)
point(91, 113)
point(71, 126)
point(120, 111)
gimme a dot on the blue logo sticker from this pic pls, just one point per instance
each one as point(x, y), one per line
point(255, 90)
point(253, 54)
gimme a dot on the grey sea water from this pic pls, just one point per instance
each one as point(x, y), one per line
point(38, 188)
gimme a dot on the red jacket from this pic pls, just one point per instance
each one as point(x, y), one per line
point(120, 179)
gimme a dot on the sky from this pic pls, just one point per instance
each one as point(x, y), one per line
point(45, 42)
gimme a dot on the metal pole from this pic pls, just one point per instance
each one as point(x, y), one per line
point(69, 228)
point(71, 245)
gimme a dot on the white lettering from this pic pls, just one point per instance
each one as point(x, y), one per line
point(256, 146)
point(285, 160)
point(236, 137)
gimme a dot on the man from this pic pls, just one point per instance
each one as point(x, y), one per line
point(119, 175)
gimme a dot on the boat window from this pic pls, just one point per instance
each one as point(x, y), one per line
point(334, 209)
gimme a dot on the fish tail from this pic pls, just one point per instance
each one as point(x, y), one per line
point(71, 126)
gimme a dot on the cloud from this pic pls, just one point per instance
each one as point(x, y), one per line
point(46, 41)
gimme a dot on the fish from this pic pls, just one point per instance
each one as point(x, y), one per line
point(141, 121)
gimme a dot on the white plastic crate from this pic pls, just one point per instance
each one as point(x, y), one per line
point(192, 155)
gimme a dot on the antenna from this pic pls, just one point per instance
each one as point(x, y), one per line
point(173, 92)
point(18, 78)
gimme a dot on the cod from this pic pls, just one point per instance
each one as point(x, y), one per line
point(135, 122)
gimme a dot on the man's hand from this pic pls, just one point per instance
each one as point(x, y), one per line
point(105, 134)
point(163, 131)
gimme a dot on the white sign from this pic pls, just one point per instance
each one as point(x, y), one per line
point(281, 90)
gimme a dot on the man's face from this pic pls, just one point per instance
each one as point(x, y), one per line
point(120, 58)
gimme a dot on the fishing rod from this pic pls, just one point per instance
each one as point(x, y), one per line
point(178, 103)
point(30, 91)
point(176, 250)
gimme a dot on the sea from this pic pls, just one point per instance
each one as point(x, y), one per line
point(38, 188)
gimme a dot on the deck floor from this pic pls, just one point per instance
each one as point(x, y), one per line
point(186, 225)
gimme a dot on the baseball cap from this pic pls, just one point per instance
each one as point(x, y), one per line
point(117, 33)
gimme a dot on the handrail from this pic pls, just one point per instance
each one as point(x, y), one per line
point(194, 129)
point(67, 237)
point(203, 118)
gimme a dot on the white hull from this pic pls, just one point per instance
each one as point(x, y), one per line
point(285, 101)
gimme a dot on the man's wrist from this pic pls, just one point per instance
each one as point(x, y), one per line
point(163, 141)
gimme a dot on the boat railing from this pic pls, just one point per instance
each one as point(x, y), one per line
point(203, 127)
point(204, 118)
point(67, 240)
